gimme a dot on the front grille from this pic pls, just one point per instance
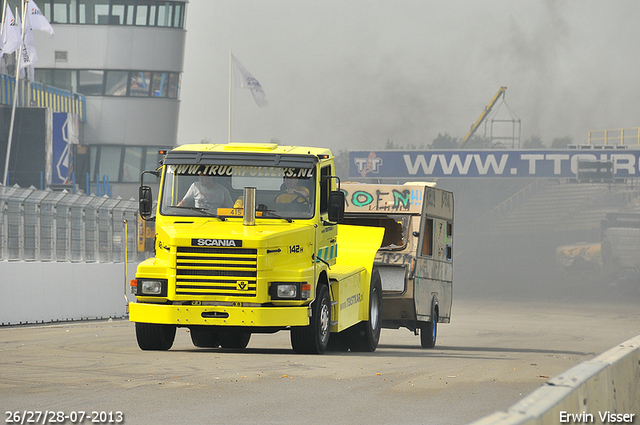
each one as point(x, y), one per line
point(217, 271)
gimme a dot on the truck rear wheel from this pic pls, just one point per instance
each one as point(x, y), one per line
point(314, 338)
point(366, 335)
point(204, 338)
point(429, 331)
point(152, 336)
point(236, 340)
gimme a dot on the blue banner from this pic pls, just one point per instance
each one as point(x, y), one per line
point(488, 163)
point(64, 135)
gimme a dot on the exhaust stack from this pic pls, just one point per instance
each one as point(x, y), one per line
point(249, 206)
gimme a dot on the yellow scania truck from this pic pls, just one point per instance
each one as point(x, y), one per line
point(248, 240)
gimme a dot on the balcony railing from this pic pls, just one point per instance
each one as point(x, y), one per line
point(37, 95)
point(618, 136)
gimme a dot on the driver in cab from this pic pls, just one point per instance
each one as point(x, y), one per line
point(207, 194)
point(291, 192)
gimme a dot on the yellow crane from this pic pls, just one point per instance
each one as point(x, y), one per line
point(483, 116)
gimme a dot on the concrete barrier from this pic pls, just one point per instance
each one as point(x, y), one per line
point(41, 292)
point(603, 390)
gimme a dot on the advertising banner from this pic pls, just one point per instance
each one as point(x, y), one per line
point(65, 134)
point(556, 163)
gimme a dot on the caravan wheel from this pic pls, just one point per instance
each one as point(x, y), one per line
point(429, 331)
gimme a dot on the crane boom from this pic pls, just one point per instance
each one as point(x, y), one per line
point(483, 116)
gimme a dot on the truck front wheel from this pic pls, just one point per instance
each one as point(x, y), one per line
point(152, 336)
point(313, 339)
point(367, 334)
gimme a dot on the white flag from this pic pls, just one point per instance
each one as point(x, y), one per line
point(38, 20)
point(246, 81)
point(29, 56)
point(10, 33)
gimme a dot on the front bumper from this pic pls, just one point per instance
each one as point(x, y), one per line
point(188, 315)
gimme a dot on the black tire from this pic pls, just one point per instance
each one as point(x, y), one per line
point(339, 341)
point(152, 336)
point(235, 340)
point(366, 335)
point(314, 338)
point(204, 338)
point(429, 331)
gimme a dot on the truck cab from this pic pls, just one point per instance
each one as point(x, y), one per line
point(246, 241)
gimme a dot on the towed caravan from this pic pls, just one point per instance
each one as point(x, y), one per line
point(415, 259)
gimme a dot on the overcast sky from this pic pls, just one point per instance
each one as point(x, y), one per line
point(354, 74)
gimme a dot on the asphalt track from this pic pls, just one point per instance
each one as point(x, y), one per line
point(490, 355)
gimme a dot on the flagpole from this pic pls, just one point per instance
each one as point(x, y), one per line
point(15, 100)
point(4, 13)
point(4, 16)
point(229, 140)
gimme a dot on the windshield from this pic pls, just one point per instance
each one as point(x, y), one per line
point(217, 190)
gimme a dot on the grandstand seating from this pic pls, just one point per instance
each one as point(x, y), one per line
point(562, 205)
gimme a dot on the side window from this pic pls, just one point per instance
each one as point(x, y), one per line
point(325, 184)
point(427, 240)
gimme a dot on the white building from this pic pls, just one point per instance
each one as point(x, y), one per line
point(126, 57)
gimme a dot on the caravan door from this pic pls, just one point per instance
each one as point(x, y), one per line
point(434, 257)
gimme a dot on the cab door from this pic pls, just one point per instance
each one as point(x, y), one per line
point(433, 284)
point(327, 248)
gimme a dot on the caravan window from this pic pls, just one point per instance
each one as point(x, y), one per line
point(427, 239)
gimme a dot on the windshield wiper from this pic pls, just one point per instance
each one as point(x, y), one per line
point(274, 215)
point(205, 211)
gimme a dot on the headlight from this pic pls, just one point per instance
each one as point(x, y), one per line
point(289, 290)
point(286, 291)
point(152, 287)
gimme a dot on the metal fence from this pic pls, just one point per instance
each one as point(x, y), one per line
point(46, 225)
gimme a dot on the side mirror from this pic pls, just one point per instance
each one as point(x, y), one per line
point(145, 202)
point(336, 206)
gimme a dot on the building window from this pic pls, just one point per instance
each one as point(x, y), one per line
point(64, 11)
point(112, 82)
point(94, 12)
point(120, 163)
point(169, 14)
point(109, 160)
point(64, 80)
point(152, 159)
point(116, 83)
point(173, 85)
point(132, 164)
point(160, 85)
point(140, 84)
point(124, 10)
point(90, 83)
point(59, 78)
